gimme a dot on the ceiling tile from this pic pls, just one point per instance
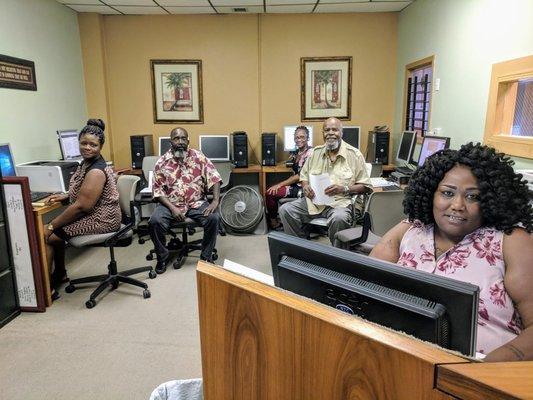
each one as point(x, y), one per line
point(194, 3)
point(133, 10)
point(362, 7)
point(249, 10)
point(237, 3)
point(93, 9)
point(86, 2)
point(345, 1)
point(291, 9)
point(289, 2)
point(190, 10)
point(130, 3)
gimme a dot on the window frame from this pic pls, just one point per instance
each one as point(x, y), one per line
point(409, 68)
point(501, 107)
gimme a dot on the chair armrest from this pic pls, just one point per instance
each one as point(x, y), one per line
point(345, 236)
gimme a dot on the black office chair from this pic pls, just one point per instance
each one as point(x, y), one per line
point(126, 185)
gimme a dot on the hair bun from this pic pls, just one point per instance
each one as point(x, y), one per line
point(97, 122)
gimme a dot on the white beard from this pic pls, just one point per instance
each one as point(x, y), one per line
point(333, 146)
point(180, 154)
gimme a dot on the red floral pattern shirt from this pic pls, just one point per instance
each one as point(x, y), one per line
point(185, 183)
point(477, 259)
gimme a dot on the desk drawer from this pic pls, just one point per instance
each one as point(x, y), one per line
point(4, 248)
point(8, 298)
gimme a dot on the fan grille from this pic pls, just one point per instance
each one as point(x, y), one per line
point(241, 208)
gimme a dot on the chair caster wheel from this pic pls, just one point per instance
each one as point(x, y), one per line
point(114, 285)
point(90, 303)
point(149, 257)
point(214, 257)
point(142, 241)
point(152, 274)
point(146, 294)
point(70, 288)
point(179, 262)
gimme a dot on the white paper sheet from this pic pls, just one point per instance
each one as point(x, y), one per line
point(319, 183)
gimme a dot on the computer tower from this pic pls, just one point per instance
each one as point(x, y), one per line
point(141, 146)
point(268, 149)
point(378, 147)
point(239, 149)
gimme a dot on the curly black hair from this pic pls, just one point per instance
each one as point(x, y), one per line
point(94, 127)
point(504, 195)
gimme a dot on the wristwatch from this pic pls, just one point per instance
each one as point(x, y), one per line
point(346, 189)
point(50, 227)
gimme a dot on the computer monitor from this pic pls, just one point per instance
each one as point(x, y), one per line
point(7, 164)
point(430, 145)
point(164, 145)
point(288, 137)
point(350, 134)
point(431, 307)
point(215, 147)
point(406, 148)
point(69, 144)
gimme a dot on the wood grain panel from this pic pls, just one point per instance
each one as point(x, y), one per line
point(259, 342)
point(487, 381)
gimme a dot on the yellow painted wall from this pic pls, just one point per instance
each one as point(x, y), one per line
point(251, 69)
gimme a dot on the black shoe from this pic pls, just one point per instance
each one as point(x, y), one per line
point(55, 295)
point(209, 260)
point(161, 266)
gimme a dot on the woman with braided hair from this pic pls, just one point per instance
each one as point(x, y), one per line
point(93, 201)
point(469, 219)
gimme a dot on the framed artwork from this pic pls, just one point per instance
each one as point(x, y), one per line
point(24, 247)
point(177, 91)
point(326, 87)
point(16, 73)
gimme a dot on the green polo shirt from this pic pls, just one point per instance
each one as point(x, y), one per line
point(347, 170)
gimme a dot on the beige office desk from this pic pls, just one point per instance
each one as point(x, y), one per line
point(42, 215)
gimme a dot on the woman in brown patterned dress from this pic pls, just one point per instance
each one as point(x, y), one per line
point(93, 201)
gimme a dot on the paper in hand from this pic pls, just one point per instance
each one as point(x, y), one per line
point(319, 183)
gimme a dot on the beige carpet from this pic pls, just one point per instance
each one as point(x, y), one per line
point(126, 345)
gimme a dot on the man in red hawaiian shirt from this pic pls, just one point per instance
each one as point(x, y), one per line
point(182, 176)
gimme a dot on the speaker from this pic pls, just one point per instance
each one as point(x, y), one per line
point(378, 147)
point(141, 146)
point(268, 149)
point(239, 149)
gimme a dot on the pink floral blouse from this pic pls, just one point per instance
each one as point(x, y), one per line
point(477, 259)
point(184, 183)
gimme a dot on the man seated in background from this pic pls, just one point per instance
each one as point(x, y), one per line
point(182, 177)
point(345, 166)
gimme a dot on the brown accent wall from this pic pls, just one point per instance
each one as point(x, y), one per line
point(251, 69)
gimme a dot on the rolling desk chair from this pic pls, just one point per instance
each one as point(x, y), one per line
point(383, 210)
point(126, 185)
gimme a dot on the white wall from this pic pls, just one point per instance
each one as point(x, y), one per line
point(466, 37)
point(45, 32)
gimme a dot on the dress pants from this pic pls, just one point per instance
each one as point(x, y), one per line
point(162, 218)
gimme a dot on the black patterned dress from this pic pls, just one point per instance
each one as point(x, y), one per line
point(105, 217)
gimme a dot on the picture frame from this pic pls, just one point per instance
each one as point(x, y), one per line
point(326, 88)
point(24, 246)
point(177, 91)
point(17, 73)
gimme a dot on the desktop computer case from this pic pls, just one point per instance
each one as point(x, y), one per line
point(378, 147)
point(141, 146)
point(268, 149)
point(239, 149)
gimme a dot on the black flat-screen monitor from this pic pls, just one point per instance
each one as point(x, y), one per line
point(427, 306)
point(406, 148)
point(350, 134)
point(69, 144)
point(164, 145)
point(7, 164)
point(430, 145)
point(215, 147)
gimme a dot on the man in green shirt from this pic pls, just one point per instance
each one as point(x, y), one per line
point(345, 166)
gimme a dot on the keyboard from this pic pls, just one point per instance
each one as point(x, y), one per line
point(405, 170)
point(390, 187)
point(36, 196)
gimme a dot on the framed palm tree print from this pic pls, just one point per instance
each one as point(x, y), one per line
point(177, 91)
point(326, 87)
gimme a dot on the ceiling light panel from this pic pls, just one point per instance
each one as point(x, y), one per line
point(134, 10)
point(289, 2)
point(130, 3)
point(302, 8)
point(190, 10)
point(188, 3)
point(86, 2)
point(93, 9)
point(249, 10)
point(362, 7)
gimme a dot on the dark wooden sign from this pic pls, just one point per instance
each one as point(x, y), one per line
point(16, 73)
